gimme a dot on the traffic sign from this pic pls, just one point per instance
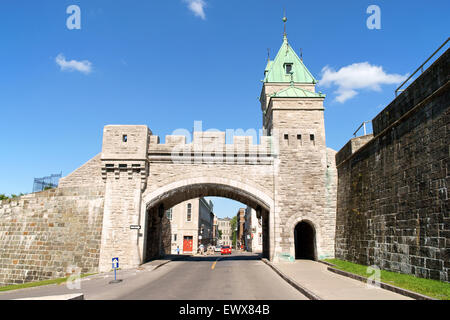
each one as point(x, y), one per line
point(135, 227)
point(115, 263)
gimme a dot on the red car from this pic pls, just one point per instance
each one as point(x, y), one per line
point(225, 250)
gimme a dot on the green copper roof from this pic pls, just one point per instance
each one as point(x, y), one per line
point(276, 69)
point(294, 92)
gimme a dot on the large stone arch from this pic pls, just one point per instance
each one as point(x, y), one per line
point(244, 192)
point(184, 189)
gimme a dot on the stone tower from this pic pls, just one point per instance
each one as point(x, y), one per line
point(305, 174)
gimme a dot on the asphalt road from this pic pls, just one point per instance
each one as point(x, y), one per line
point(235, 277)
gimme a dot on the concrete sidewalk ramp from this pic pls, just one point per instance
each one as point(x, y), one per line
point(75, 296)
point(330, 286)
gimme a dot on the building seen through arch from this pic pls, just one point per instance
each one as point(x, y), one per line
point(189, 224)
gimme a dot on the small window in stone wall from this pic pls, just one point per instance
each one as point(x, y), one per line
point(286, 136)
point(189, 212)
point(299, 137)
point(124, 138)
point(311, 137)
point(174, 237)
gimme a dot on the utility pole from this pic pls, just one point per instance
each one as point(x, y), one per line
point(235, 232)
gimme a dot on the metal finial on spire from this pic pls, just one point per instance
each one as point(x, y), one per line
point(301, 54)
point(284, 21)
point(268, 54)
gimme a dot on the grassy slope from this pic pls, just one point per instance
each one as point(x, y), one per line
point(38, 283)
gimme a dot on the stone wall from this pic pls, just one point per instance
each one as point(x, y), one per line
point(88, 174)
point(43, 234)
point(392, 204)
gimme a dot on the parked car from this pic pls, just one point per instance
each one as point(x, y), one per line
point(225, 250)
point(217, 249)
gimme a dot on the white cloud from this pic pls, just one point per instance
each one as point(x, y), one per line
point(356, 76)
point(73, 65)
point(197, 7)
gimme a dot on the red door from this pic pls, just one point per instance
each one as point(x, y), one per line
point(187, 244)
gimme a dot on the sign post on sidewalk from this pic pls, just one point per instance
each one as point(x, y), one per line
point(115, 265)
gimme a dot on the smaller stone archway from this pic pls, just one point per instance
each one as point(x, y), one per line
point(305, 240)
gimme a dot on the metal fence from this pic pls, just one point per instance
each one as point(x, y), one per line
point(48, 182)
point(363, 125)
point(411, 77)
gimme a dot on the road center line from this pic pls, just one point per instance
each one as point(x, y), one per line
point(214, 264)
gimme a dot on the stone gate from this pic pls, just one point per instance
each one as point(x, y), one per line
point(392, 208)
point(289, 176)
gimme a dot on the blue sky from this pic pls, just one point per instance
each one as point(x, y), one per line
point(168, 63)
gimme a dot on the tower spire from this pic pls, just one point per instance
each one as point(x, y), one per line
point(284, 21)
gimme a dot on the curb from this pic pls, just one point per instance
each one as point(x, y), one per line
point(327, 263)
point(161, 264)
point(166, 262)
point(309, 294)
point(383, 285)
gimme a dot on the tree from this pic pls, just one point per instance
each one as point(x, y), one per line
point(220, 234)
point(12, 196)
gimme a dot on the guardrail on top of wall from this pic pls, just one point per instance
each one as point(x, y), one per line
point(362, 125)
point(420, 68)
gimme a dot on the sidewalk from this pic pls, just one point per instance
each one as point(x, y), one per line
point(54, 291)
point(327, 285)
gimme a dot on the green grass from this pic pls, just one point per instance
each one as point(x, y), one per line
point(432, 288)
point(39, 283)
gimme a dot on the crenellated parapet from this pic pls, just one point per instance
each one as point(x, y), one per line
point(212, 147)
point(128, 151)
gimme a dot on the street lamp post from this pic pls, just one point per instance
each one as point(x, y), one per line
point(235, 245)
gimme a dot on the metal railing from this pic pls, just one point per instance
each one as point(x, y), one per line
point(362, 125)
point(419, 68)
point(51, 181)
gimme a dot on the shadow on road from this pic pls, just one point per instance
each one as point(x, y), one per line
point(212, 258)
point(233, 257)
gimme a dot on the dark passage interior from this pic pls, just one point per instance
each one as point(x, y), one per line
point(159, 240)
point(304, 236)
